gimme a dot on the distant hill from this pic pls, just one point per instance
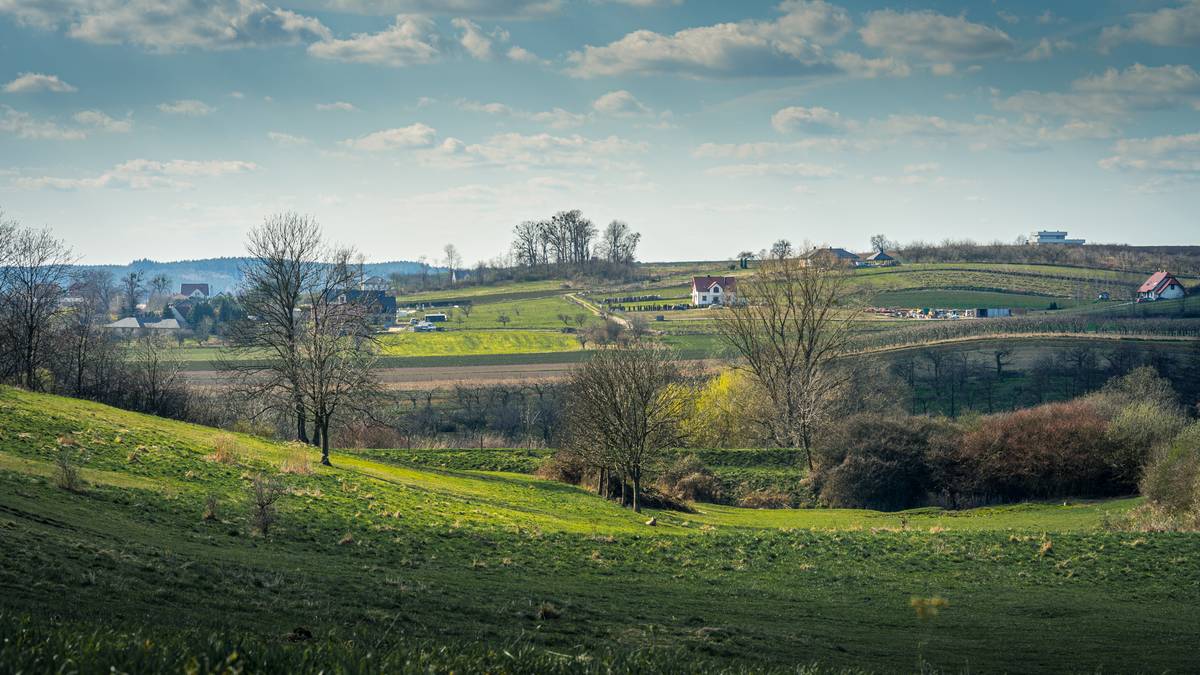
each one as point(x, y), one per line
point(223, 273)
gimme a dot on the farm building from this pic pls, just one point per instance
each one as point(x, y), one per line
point(1160, 286)
point(831, 256)
point(713, 290)
point(881, 259)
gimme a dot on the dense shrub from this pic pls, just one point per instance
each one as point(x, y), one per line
point(687, 478)
point(1054, 450)
point(766, 499)
point(564, 466)
point(880, 462)
point(1171, 483)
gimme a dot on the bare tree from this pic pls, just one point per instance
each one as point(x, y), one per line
point(160, 285)
point(782, 249)
point(336, 349)
point(156, 374)
point(619, 243)
point(880, 242)
point(87, 350)
point(453, 261)
point(34, 267)
point(792, 321)
point(527, 243)
point(285, 264)
point(131, 291)
point(625, 409)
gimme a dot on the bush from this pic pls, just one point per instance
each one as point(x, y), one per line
point(264, 492)
point(66, 474)
point(1135, 431)
point(1171, 483)
point(687, 478)
point(297, 460)
point(563, 466)
point(1051, 451)
point(880, 462)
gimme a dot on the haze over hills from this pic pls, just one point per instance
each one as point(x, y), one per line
point(224, 274)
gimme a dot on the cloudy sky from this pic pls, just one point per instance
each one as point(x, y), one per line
point(166, 128)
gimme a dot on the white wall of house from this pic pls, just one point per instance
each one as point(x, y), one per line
point(712, 296)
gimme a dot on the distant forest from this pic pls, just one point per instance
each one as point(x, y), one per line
point(222, 273)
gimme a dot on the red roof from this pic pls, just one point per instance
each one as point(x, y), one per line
point(1157, 282)
point(702, 284)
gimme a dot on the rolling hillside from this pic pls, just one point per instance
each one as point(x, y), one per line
point(386, 566)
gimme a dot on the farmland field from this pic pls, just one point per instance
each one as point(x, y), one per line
point(468, 570)
point(950, 299)
point(465, 343)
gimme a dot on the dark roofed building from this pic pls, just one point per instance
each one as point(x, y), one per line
point(194, 290)
point(831, 256)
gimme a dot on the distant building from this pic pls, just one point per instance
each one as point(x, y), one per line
point(831, 256)
point(131, 324)
point(377, 302)
point(435, 318)
point(881, 259)
point(194, 291)
point(713, 291)
point(374, 284)
point(1059, 237)
point(1160, 286)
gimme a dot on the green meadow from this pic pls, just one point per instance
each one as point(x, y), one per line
point(381, 564)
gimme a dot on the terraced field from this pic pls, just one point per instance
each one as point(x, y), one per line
point(153, 566)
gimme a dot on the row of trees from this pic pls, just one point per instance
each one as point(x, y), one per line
point(569, 240)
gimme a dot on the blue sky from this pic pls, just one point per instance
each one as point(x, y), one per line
point(167, 128)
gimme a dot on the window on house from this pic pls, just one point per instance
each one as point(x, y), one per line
point(704, 298)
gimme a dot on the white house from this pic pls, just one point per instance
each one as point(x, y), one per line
point(1059, 237)
point(1160, 286)
point(713, 291)
point(374, 283)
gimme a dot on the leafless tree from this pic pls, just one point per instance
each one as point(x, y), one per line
point(131, 291)
point(34, 268)
point(791, 322)
point(160, 285)
point(453, 261)
point(87, 352)
point(285, 265)
point(782, 249)
point(619, 243)
point(625, 408)
point(156, 374)
point(336, 349)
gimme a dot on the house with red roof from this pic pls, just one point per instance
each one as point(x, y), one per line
point(713, 291)
point(1160, 286)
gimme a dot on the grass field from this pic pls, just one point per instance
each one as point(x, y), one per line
point(402, 569)
point(469, 342)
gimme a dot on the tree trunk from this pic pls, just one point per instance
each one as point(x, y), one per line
point(301, 421)
point(324, 424)
point(637, 490)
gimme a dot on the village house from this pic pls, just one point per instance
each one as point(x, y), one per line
point(374, 283)
point(194, 291)
point(708, 291)
point(1160, 286)
point(831, 257)
point(880, 259)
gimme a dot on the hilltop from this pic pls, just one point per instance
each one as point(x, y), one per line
point(388, 566)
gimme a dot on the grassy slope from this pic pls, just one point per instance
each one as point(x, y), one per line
point(460, 557)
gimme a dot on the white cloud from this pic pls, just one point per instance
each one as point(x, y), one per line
point(768, 149)
point(410, 40)
point(169, 25)
point(32, 82)
point(1166, 27)
point(934, 37)
point(1160, 154)
point(521, 55)
point(142, 174)
point(100, 120)
point(1114, 93)
point(556, 118)
point(413, 136)
point(475, 8)
point(525, 151)
point(341, 106)
point(801, 170)
point(287, 140)
point(620, 103)
point(23, 125)
point(1045, 49)
point(789, 45)
point(860, 66)
point(474, 40)
point(187, 107)
point(799, 118)
point(922, 167)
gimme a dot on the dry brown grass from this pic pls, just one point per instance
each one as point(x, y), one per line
point(296, 461)
point(224, 449)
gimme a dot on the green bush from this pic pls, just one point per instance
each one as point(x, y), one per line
point(1171, 483)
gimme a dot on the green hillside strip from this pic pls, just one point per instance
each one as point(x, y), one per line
point(403, 569)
